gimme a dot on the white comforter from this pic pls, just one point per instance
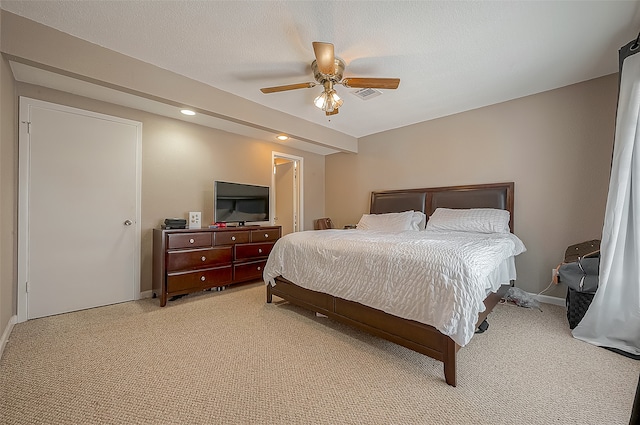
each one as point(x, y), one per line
point(436, 278)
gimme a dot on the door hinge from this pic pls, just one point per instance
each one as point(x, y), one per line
point(27, 286)
point(28, 123)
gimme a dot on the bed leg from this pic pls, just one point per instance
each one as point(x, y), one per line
point(450, 372)
point(482, 327)
point(269, 295)
point(450, 362)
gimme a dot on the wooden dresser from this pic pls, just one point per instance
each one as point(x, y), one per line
point(190, 260)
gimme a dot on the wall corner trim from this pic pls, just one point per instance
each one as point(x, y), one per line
point(6, 333)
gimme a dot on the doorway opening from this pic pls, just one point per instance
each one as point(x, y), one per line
point(287, 188)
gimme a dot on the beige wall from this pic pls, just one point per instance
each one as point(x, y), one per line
point(180, 161)
point(556, 146)
point(8, 194)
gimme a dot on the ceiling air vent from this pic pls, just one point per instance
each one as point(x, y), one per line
point(366, 94)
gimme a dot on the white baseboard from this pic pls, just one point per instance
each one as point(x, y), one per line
point(146, 294)
point(6, 333)
point(550, 300)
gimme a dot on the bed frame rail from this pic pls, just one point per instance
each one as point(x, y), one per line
point(416, 336)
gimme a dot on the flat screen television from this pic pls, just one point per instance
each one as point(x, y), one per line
point(240, 203)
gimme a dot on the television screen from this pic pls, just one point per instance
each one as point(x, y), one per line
point(235, 202)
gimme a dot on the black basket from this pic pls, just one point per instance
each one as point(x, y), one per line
point(577, 305)
point(582, 249)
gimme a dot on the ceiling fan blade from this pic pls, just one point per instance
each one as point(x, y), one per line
point(276, 89)
point(371, 83)
point(325, 57)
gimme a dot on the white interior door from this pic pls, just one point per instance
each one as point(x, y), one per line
point(287, 187)
point(79, 200)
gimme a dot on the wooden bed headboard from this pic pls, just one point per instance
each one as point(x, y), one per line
point(494, 195)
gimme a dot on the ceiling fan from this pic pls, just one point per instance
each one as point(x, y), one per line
point(327, 71)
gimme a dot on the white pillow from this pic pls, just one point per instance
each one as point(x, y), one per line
point(418, 221)
point(481, 220)
point(390, 222)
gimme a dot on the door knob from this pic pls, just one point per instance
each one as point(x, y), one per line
point(128, 222)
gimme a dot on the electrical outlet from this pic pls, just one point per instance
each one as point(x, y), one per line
point(195, 220)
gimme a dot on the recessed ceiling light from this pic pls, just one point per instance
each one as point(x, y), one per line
point(282, 137)
point(187, 112)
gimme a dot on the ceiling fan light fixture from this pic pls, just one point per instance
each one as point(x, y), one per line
point(335, 111)
point(321, 101)
point(336, 99)
point(333, 101)
point(328, 100)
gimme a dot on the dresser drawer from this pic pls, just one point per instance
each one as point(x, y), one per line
point(253, 250)
point(193, 260)
point(189, 240)
point(198, 258)
point(201, 279)
point(228, 238)
point(247, 271)
point(265, 235)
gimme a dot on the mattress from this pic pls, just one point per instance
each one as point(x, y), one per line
point(437, 278)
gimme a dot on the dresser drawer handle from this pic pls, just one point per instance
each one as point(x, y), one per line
point(266, 235)
point(191, 240)
point(203, 258)
point(233, 238)
point(259, 268)
point(202, 278)
point(259, 250)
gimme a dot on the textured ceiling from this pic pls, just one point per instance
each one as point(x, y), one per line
point(450, 56)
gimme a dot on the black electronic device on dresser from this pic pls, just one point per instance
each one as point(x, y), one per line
point(191, 260)
point(174, 223)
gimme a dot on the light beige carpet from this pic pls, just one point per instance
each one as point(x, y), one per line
point(229, 358)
